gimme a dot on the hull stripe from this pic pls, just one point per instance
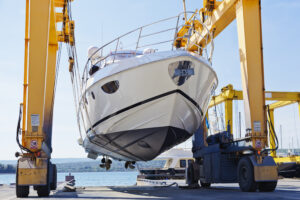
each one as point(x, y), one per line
point(147, 101)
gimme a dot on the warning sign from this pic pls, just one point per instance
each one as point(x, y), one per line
point(257, 126)
point(33, 144)
point(35, 119)
point(35, 122)
point(258, 144)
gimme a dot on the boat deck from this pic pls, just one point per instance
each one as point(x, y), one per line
point(286, 189)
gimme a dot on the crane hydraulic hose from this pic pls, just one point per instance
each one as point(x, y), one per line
point(271, 126)
point(18, 129)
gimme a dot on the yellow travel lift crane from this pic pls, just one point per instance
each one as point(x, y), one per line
point(219, 158)
point(36, 112)
point(34, 167)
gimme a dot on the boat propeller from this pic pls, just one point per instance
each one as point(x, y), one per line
point(130, 164)
point(105, 163)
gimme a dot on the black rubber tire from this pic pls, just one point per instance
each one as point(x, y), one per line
point(21, 191)
point(43, 191)
point(53, 185)
point(205, 185)
point(191, 180)
point(245, 174)
point(267, 186)
point(190, 174)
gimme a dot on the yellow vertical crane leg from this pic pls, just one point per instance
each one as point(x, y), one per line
point(248, 18)
point(38, 50)
point(34, 171)
point(228, 114)
point(25, 85)
point(50, 80)
point(34, 167)
point(299, 107)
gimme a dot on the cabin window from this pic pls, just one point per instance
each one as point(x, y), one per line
point(93, 95)
point(110, 87)
point(93, 69)
point(182, 163)
point(190, 161)
point(181, 71)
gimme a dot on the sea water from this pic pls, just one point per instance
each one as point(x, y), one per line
point(88, 178)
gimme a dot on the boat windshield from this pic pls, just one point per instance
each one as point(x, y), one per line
point(120, 55)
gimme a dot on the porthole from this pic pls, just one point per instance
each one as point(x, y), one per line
point(181, 71)
point(110, 87)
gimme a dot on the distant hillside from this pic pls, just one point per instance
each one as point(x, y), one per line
point(7, 168)
point(82, 165)
point(89, 165)
point(93, 166)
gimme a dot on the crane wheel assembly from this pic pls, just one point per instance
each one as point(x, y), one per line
point(220, 159)
point(28, 170)
point(245, 173)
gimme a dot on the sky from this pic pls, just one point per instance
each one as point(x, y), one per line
point(99, 21)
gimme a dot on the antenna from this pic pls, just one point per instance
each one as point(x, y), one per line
point(101, 34)
point(184, 8)
point(295, 124)
point(281, 136)
point(240, 126)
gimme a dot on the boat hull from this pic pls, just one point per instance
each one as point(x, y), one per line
point(140, 144)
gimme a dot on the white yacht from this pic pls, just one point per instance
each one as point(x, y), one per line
point(138, 103)
point(171, 174)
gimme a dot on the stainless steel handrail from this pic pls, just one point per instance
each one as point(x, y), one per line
point(140, 30)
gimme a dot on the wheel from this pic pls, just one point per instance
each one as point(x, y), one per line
point(43, 191)
point(205, 185)
point(54, 178)
point(22, 191)
point(267, 186)
point(190, 174)
point(191, 180)
point(246, 175)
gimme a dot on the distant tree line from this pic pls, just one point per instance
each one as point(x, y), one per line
point(92, 166)
point(7, 168)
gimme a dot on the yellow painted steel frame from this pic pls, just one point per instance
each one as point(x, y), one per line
point(228, 94)
point(42, 50)
point(280, 160)
point(41, 45)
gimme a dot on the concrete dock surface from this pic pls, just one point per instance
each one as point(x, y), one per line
point(286, 189)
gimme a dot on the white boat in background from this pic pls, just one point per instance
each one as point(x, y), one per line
point(173, 171)
point(138, 103)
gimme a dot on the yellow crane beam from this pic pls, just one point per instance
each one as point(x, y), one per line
point(283, 98)
point(220, 17)
point(280, 104)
